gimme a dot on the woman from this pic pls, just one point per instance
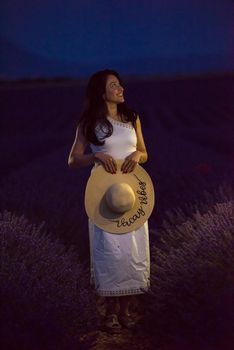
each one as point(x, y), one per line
point(113, 131)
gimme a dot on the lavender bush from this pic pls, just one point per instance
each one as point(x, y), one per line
point(22, 147)
point(192, 293)
point(180, 195)
point(47, 190)
point(46, 299)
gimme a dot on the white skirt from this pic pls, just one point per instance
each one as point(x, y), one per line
point(120, 263)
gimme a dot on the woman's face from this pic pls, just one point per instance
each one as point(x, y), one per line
point(114, 91)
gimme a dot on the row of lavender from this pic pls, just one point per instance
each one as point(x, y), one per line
point(48, 302)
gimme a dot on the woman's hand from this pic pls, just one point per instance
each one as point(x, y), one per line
point(131, 161)
point(107, 161)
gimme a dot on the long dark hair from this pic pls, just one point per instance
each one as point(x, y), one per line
point(95, 110)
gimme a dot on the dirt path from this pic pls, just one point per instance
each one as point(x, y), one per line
point(126, 340)
point(137, 339)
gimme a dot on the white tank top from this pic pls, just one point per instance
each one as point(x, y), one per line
point(120, 144)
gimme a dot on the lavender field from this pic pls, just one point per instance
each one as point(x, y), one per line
point(188, 125)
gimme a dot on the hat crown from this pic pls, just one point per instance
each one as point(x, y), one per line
point(120, 197)
point(119, 217)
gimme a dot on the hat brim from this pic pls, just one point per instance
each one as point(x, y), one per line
point(96, 206)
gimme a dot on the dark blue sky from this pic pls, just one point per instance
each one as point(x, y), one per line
point(95, 33)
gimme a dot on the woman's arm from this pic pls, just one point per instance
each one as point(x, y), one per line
point(140, 142)
point(140, 155)
point(77, 158)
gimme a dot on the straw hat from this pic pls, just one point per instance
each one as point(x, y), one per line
point(119, 203)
